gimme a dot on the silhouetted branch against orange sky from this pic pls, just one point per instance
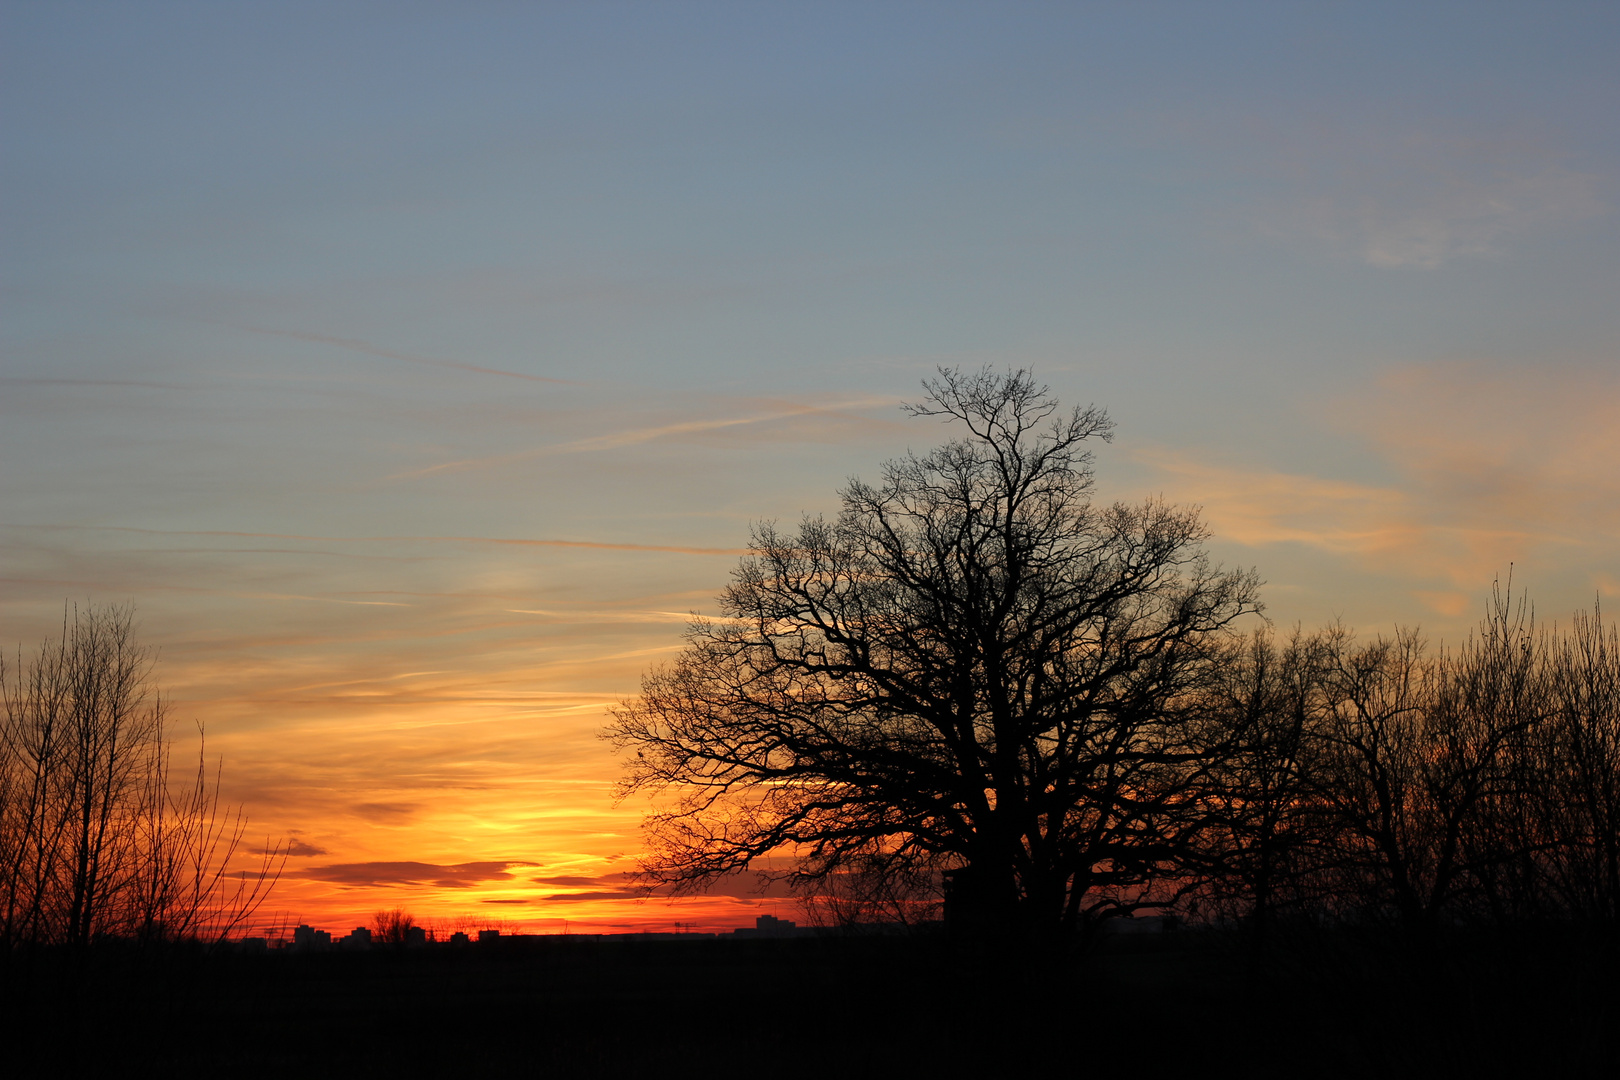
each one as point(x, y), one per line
point(96, 837)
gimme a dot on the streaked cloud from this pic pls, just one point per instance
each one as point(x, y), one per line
point(381, 874)
point(390, 813)
point(592, 896)
point(1487, 467)
point(841, 413)
point(569, 879)
point(138, 384)
point(356, 345)
point(599, 545)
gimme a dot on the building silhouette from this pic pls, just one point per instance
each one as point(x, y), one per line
point(307, 937)
point(769, 926)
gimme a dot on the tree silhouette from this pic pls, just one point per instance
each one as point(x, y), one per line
point(1382, 782)
point(974, 673)
point(392, 927)
point(96, 835)
point(1577, 770)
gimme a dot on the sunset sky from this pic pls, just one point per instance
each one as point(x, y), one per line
point(416, 369)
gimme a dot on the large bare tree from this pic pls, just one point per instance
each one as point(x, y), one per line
point(974, 673)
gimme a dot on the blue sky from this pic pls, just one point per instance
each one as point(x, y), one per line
point(323, 322)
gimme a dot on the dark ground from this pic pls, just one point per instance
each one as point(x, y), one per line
point(1150, 1005)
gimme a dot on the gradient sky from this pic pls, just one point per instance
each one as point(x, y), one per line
point(417, 368)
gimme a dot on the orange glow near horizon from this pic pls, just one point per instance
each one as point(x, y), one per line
point(449, 763)
point(415, 710)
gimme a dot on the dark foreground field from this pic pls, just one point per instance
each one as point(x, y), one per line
point(1152, 1005)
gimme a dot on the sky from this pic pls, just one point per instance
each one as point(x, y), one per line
point(416, 370)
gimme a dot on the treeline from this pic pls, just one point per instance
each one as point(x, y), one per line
point(1378, 782)
point(98, 838)
point(977, 686)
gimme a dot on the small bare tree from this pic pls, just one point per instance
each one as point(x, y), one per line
point(392, 927)
point(96, 837)
point(189, 842)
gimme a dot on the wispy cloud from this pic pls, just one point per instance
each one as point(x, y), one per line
point(323, 599)
point(1426, 230)
point(356, 345)
point(139, 384)
point(599, 545)
point(1488, 467)
point(608, 616)
point(381, 874)
point(1423, 197)
point(387, 812)
point(636, 436)
point(593, 894)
